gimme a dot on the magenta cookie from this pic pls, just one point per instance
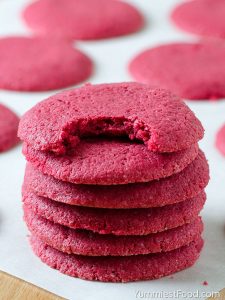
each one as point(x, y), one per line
point(192, 71)
point(36, 64)
point(110, 162)
point(183, 185)
point(220, 140)
point(8, 128)
point(140, 221)
point(82, 19)
point(153, 116)
point(202, 17)
point(82, 242)
point(118, 268)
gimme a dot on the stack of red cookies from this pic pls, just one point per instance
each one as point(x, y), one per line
point(114, 182)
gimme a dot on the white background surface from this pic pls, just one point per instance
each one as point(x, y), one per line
point(111, 58)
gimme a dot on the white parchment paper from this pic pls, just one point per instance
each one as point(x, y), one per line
point(111, 58)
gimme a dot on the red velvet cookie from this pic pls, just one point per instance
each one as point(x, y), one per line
point(178, 187)
point(154, 116)
point(82, 242)
point(202, 17)
point(82, 19)
point(110, 162)
point(140, 221)
point(192, 71)
point(8, 128)
point(220, 140)
point(118, 268)
point(36, 64)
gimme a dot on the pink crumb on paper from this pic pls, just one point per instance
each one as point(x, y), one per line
point(205, 283)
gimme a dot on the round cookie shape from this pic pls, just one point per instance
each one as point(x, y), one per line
point(82, 242)
point(153, 116)
point(140, 221)
point(202, 17)
point(9, 122)
point(82, 19)
point(118, 268)
point(191, 70)
point(178, 187)
point(110, 162)
point(38, 64)
point(220, 140)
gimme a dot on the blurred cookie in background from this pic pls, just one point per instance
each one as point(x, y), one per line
point(202, 17)
point(220, 140)
point(9, 122)
point(194, 71)
point(39, 64)
point(82, 19)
